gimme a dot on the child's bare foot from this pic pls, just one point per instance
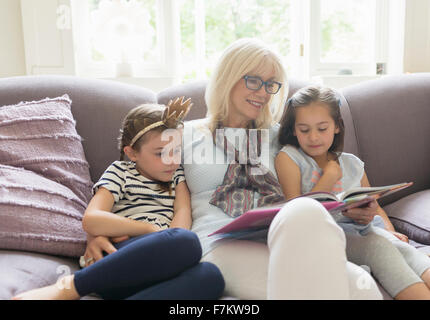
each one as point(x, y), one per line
point(64, 289)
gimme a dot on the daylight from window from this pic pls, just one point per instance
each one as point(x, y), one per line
point(133, 31)
point(347, 31)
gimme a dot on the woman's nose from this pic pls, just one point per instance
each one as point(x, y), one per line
point(262, 91)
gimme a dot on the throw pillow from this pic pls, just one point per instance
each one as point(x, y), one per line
point(40, 136)
point(39, 215)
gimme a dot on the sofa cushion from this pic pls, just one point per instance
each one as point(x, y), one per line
point(38, 214)
point(43, 202)
point(411, 216)
point(22, 271)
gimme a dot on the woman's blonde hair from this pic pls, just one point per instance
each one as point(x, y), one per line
point(243, 57)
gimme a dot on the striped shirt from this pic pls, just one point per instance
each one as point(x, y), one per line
point(137, 197)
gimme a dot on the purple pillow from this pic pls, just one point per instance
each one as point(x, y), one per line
point(45, 182)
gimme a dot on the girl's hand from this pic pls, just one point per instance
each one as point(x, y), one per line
point(363, 215)
point(95, 248)
point(119, 239)
point(333, 169)
point(399, 236)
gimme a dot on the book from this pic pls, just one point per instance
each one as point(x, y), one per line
point(261, 217)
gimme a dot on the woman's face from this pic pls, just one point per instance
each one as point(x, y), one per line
point(247, 105)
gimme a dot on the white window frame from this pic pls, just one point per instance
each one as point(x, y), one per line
point(168, 38)
point(380, 44)
point(52, 47)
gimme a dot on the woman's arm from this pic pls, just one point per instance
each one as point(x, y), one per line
point(182, 207)
point(289, 176)
point(99, 221)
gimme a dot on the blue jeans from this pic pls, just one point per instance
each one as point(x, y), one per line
point(161, 265)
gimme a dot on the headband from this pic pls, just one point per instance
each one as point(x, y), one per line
point(174, 114)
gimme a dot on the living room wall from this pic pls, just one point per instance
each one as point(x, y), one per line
point(416, 42)
point(12, 55)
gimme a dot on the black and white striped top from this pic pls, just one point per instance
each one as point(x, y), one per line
point(137, 197)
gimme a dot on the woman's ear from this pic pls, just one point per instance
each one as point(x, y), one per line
point(336, 130)
point(130, 153)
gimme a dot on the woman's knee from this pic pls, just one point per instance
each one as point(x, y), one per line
point(302, 211)
point(302, 216)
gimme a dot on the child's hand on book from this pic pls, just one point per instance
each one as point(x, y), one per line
point(362, 215)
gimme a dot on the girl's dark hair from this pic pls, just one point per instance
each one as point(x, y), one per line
point(303, 98)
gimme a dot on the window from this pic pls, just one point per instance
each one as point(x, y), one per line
point(207, 27)
point(182, 39)
point(115, 38)
point(347, 36)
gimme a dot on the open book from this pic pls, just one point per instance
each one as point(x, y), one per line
point(259, 218)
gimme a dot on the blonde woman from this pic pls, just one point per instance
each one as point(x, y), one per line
point(302, 256)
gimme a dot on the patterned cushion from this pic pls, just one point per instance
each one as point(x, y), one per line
point(44, 178)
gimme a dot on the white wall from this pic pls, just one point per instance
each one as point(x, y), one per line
point(12, 56)
point(417, 36)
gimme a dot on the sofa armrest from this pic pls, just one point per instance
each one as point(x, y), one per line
point(411, 216)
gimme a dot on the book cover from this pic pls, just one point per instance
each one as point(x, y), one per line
point(262, 217)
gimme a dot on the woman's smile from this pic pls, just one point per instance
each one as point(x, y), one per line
point(256, 104)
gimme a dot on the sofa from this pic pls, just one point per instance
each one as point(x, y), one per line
point(387, 126)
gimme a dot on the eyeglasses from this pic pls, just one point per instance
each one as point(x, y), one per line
point(255, 83)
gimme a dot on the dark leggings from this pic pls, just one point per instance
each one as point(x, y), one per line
point(161, 265)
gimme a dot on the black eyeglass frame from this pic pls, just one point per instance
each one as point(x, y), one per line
point(265, 83)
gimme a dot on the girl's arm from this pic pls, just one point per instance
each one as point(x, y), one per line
point(388, 225)
point(332, 173)
point(182, 207)
point(289, 176)
point(99, 221)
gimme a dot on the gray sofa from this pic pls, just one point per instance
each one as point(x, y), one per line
point(387, 126)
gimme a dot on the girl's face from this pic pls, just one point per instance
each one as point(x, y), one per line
point(159, 156)
point(315, 129)
point(246, 104)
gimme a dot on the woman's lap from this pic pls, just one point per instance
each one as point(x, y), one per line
point(320, 270)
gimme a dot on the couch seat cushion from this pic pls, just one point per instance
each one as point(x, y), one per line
point(411, 216)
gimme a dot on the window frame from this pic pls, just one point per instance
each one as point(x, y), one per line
point(168, 39)
point(379, 44)
point(305, 43)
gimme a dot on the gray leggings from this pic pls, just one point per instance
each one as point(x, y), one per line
point(394, 263)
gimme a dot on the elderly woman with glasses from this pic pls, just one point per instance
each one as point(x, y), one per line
point(228, 160)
